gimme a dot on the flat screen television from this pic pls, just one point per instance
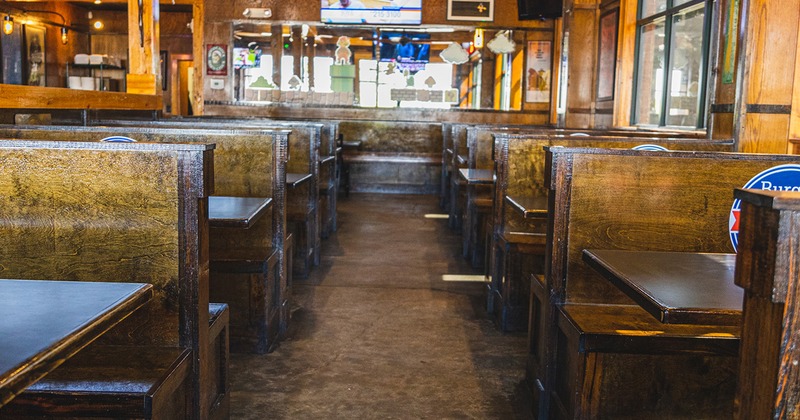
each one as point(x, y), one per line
point(395, 12)
point(409, 51)
point(246, 57)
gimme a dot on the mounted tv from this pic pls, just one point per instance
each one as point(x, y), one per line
point(395, 12)
point(409, 51)
point(539, 9)
point(247, 57)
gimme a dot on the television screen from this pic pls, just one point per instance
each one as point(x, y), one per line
point(403, 12)
point(246, 57)
point(409, 51)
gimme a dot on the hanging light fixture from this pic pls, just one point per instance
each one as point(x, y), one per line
point(98, 24)
point(8, 25)
point(64, 32)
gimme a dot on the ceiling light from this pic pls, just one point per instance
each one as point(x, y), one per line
point(98, 25)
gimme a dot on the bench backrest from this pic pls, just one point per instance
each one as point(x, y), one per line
point(637, 200)
point(520, 168)
point(112, 212)
point(480, 138)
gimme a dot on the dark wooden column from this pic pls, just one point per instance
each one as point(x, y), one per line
point(768, 268)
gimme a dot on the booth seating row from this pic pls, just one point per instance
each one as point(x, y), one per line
point(250, 260)
point(625, 336)
point(95, 212)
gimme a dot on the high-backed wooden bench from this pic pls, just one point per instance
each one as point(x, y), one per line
point(249, 266)
point(517, 242)
point(93, 211)
point(476, 207)
point(302, 201)
point(768, 238)
point(595, 353)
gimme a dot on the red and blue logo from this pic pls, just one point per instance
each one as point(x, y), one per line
point(778, 178)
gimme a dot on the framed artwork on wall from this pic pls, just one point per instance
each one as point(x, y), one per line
point(217, 60)
point(34, 54)
point(537, 75)
point(475, 10)
point(607, 55)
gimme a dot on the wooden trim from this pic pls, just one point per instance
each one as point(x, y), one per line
point(626, 51)
point(722, 108)
point(768, 109)
point(33, 97)
point(555, 85)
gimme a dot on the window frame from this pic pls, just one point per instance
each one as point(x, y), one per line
point(668, 14)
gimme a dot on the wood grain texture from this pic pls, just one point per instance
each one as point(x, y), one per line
point(767, 268)
point(14, 97)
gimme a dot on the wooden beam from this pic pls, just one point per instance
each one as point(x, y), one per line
point(196, 94)
point(766, 75)
point(143, 47)
point(626, 47)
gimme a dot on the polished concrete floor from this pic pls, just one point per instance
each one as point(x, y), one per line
point(376, 333)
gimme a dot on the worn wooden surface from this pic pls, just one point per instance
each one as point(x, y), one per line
point(677, 201)
point(94, 211)
point(61, 98)
point(767, 270)
point(67, 316)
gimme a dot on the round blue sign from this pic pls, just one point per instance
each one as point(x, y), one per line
point(778, 178)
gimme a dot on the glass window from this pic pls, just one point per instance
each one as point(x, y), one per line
point(671, 63)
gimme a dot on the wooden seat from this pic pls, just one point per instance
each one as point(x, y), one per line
point(605, 347)
point(124, 382)
point(249, 280)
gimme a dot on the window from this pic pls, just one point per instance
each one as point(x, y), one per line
point(671, 63)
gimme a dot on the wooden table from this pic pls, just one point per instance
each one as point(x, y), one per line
point(294, 180)
point(43, 323)
point(675, 287)
point(242, 212)
point(528, 207)
point(477, 176)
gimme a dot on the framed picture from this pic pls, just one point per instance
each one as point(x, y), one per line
point(538, 74)
point(164, 69)
point(607, 55)
point(477, 10)
point(217, 60)
point(34, 53)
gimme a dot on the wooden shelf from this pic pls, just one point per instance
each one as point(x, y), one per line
point(36, 97)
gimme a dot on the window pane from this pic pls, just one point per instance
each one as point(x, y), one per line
point(685, 61)
point(677, 3)
point(651, 7)
point(650, 82)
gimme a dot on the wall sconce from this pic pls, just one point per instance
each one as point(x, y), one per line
point(477, 40)
point(8, 25)
point(98, 24)
point(64, 38)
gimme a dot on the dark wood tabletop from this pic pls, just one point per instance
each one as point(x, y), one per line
point(294, 180)
point(43, 323)
point(477, 176)
point(675, 287)
point(462, 159)
point(242, 212)
point(327, 159)
point(528, 207)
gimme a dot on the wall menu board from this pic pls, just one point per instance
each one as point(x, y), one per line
point(401, 12)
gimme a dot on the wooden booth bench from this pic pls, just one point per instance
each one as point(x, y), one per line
point(93, 211)
point(598, 348)
point(249, 263)
point(302, 196)
point(472, 190)
point(519, 212)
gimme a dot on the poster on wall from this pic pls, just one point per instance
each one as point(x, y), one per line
point(607, 55)
point(730, 29)
point(217, 60)
point(537, 76)
point(34, 56)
